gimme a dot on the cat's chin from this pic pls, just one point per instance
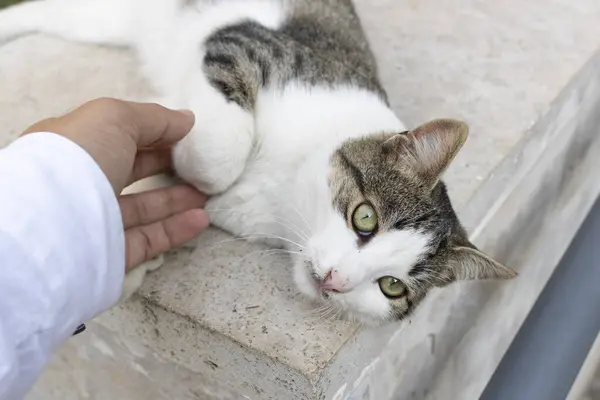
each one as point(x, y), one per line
point(366, 320)
point(308, 288)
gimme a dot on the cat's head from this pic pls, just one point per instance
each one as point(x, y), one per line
point(387, 233)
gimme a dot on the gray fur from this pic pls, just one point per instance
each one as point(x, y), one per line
point(321, 42)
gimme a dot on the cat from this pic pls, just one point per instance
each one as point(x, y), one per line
point(294, 141)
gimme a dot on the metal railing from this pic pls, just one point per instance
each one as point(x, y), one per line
point(547, 353)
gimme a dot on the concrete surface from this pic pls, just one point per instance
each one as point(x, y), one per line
point(224, 321)
point(591, 390)
point(587, 383)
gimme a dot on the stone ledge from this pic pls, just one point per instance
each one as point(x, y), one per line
point(531, 226)
point(499, 67)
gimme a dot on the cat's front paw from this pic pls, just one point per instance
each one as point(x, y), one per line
point(214, 154)
point(134, 279)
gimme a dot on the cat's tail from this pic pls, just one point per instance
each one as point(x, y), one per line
point(111, 22)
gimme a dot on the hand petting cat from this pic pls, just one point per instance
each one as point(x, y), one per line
point(130, 141)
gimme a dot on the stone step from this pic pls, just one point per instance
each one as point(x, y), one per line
point(224, 321)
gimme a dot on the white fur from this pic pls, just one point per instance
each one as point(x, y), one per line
point(135, 277)
point(267, 170)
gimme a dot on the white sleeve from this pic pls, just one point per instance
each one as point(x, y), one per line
point(62, 252)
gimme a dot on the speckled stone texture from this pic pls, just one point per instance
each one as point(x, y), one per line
point(224, 321)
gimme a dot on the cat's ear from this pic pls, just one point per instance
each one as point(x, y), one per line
point(429, 148)
point(471, 264)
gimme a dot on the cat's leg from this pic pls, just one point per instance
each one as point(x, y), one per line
point(235, 65)
point(244, 212)
point(110, 22)
point(106, 22)
point(135, 277)
point(214, 154)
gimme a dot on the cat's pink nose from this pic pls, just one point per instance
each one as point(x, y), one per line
point(333, 283)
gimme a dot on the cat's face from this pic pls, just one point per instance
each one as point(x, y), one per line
point(387, 233)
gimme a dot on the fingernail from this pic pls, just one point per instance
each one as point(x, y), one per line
point(189, 113)
point(202, 216)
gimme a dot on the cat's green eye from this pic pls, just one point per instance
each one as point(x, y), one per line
point(364, 219)
point(392, 287)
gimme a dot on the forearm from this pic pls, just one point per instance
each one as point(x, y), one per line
point(61, 252)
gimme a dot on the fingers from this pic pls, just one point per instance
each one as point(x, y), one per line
point(113, 131)
point(146, 242)
point(150, 162)
point(159, 220)
point(148, 207)
point(38, 126)
point(159, 126)
point(148, 124)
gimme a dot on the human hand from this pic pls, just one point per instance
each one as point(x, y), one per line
point(131, 141)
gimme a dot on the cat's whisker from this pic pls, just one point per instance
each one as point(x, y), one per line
point(290, 252)
point(331, 313)
point(264, 253)
point(220, 243)
point(322, 312)
point(301, 217)
point(256, 236)
point(336, 315)
point(271, 236)
point(269, 252)
point(233, 210)
point(295, 209)
point(289, 225)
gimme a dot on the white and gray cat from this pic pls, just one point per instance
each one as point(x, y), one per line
point(294, 140)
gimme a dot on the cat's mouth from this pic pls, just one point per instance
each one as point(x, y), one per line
point(316, 280)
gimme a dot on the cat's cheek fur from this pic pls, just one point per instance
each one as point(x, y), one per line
point(365, 304)
point(332, 248)
point(392, 253)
